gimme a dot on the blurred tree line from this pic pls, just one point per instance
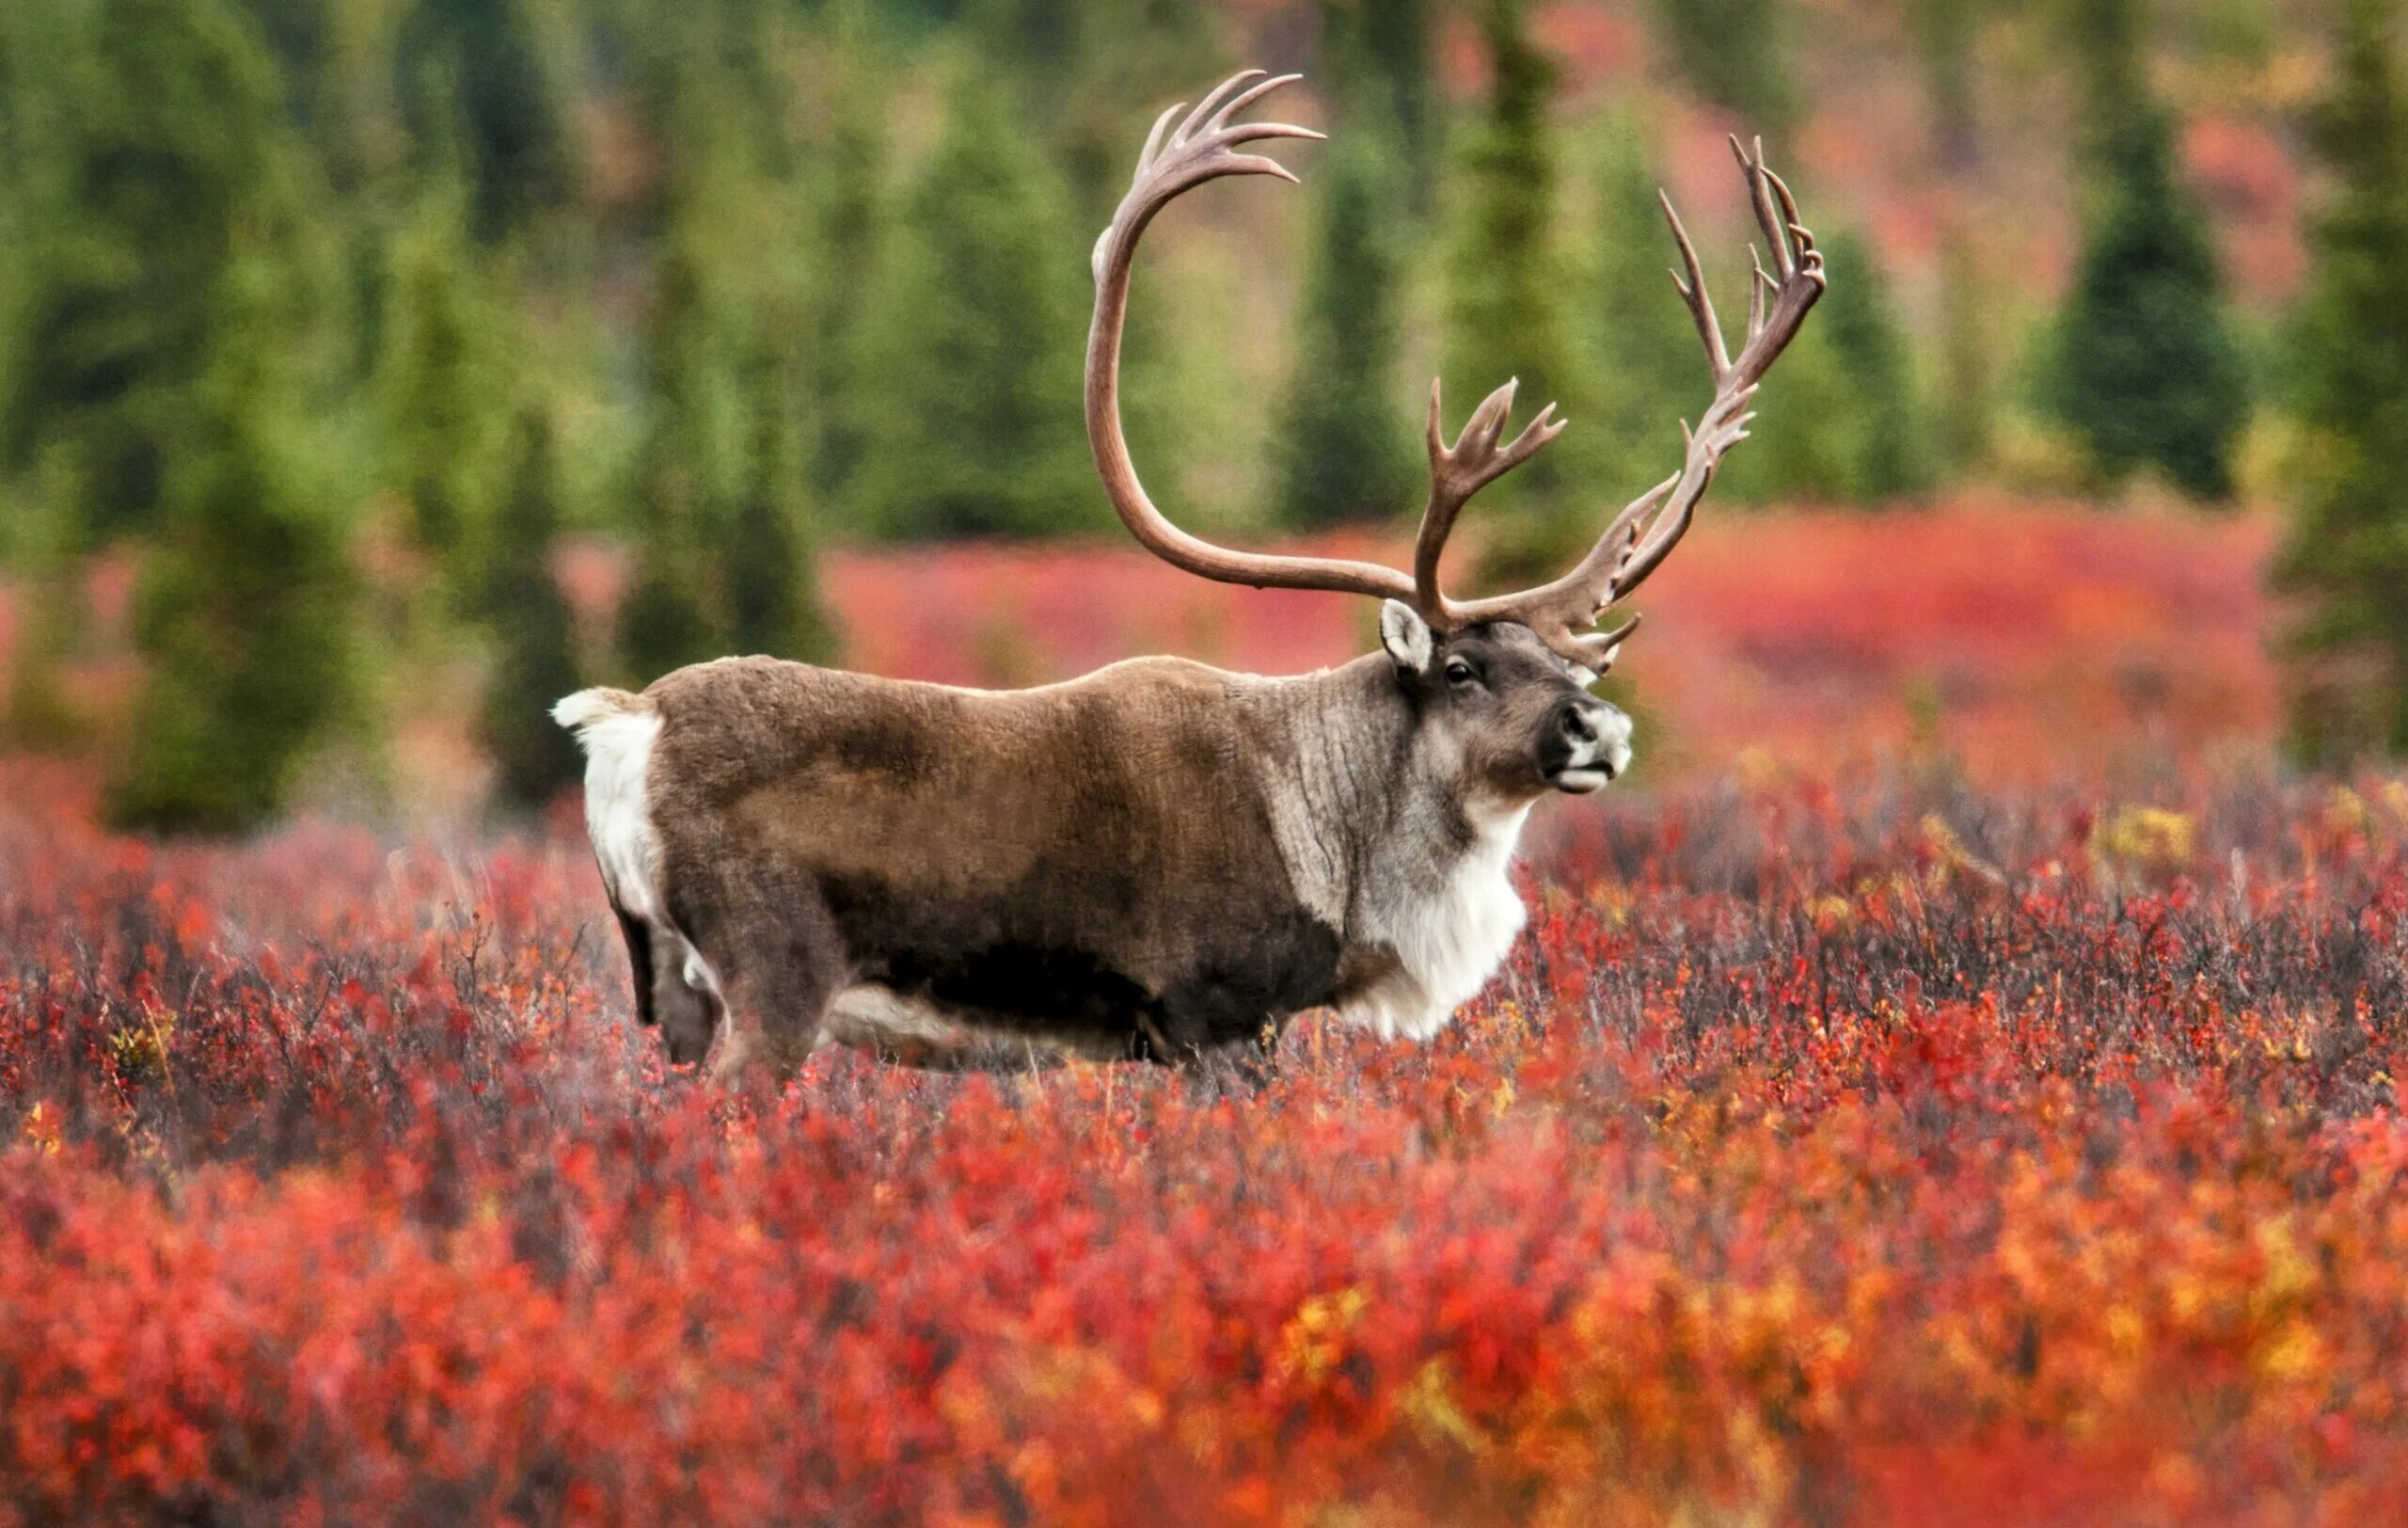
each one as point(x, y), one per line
point(294, 290)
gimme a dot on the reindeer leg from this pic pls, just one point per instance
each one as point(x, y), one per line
point(777, 965)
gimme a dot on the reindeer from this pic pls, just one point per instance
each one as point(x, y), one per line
point(1159, 861)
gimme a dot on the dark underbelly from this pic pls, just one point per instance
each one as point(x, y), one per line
point(1077, 994)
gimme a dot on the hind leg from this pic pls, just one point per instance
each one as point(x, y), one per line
point(685, 1014)
point(774, 1012)
point(687, 1010)
point(639, 937)
point(777, 985)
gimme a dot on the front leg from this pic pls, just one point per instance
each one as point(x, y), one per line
point(1238, 1069)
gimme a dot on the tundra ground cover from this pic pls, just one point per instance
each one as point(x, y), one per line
point(1874, 1149)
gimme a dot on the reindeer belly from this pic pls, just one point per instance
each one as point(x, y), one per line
point(1120, 991)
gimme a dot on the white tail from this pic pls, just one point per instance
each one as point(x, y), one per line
point(588, 708)
point(617, 730)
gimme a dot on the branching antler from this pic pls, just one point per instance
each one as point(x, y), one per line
point(1634, 544)
point(1201, 149)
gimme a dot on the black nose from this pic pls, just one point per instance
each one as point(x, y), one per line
point(1576, 722)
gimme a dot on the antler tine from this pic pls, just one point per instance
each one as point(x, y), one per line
point(1644, 534)
point(1154, 143)
point(1201, 148)
point(1212, 101)
point(1692, 290)
point(1761, 202)
point(1239, 101)
point(1457, 472)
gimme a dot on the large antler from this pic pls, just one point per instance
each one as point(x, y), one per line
point(1200, 149)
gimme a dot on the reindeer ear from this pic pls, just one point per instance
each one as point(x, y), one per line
point(1406, 636)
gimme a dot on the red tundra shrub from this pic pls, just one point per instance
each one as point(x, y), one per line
point(1877, 1149)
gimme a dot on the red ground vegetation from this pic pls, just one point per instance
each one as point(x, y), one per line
point(1878, 1150)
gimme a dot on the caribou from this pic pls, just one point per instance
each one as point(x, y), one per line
point(1159, 861)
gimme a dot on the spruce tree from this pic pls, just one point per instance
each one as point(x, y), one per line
point(675, 613)
point(1504, 317)
point(2347, 553)
point(1379, 52)
point(1737, 54)
point(163, 146)
point(532, 631)
point(475, 72)
point(845, 207)
point(1647, 368)
point(245, 618)
point(772, 598)
point(1890, 448)
point(1345, 449)
point(1947, 34)
point(979, 318)
point(443, 362)
point(2144, 370)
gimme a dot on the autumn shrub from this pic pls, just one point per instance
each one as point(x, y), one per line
point(1874, 1149)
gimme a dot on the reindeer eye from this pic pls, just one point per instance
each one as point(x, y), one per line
point(1459, 672)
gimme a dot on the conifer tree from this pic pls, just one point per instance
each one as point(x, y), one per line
point(165, 145)
point(980, 319)
point(2144, 370)
point(245, 611)
point(1646, 367)
point(774, 599)
point(846, 214)
point(534, 657)
point(475, 71)
point(1345, 448)
point(675, 613)
point(1504, 317)
point(1890, 449)
point(1379, 50)
point(1737, 54)
point(443, 363)
point(2347, 552)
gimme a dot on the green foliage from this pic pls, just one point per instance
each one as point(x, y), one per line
point(690, 472)
point(1737, 54)
point(1646, 367)
point(40, 715)
point(2143, 368)
point(2347, 552)
point(1809, 433)
point(152, 140)
point(1946, 33)
point(1082, 74)
point(1504, 310)
point(1888, 444)
point(475, 72)
point(844, 212)
point(977, 329)
point(445, 361)
point(773, 600)
point(1376, 55)
point(245, 619)
point(1346, 448)
point(533, 636)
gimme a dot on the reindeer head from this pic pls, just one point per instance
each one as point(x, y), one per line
point(1500, 713)
point(1506, 675)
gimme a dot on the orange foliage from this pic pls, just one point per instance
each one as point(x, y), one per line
point(1875, 1151)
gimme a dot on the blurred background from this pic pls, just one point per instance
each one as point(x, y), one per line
point(375, 371)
